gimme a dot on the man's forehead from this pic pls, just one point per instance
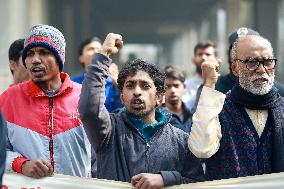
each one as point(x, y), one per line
point(209, 48)
point(254, 43)
point(36, 48)
point(141, 76)
point(172, 80)
point(93, 44)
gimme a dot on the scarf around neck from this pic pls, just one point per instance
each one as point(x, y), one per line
point(148, 130)
point(256, 102)
point(273, 102)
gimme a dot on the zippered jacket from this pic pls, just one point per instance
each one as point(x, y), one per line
point(121, 151)
point(46, 127)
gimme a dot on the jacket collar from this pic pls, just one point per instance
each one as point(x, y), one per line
point(34, 91)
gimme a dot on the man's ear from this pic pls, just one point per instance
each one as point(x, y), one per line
point(13, 65)
point(81, 59)
point(193, 60)
point(235, 69)
point(121, 97)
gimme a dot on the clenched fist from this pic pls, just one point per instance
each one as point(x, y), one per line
point(37, 168)
point(210, 72)
point(112, 44)
point(147, 181)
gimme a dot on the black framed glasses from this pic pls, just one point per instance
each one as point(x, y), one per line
point(253, 64)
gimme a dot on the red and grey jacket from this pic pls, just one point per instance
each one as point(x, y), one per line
point(46, 127)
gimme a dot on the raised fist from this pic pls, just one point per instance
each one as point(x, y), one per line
point(112, 44)
point(210, 72)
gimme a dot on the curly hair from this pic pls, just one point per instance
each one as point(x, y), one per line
point(131, 68)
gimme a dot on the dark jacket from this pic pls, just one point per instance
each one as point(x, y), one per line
point(120, 149)
point(2, 146)
point(242, 152)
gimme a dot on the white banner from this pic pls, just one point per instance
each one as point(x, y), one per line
point(17, 181)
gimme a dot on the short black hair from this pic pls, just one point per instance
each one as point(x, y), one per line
point(131, 68)
point(86, 42)
point(204, 45)
point(175, 73)
point(15, 50)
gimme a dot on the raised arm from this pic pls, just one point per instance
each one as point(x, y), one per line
point(205, 135)
point(93, 113)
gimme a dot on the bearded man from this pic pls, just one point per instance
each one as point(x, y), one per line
point(241, 133)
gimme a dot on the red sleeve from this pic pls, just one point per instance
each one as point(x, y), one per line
point(17, 164)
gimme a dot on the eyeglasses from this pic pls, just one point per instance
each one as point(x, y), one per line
point(253, 64)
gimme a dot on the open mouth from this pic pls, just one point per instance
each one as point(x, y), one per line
point(260, 80)
point(137, 103)
point(37, 71)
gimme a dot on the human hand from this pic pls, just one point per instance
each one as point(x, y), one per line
point(111, 45)
point(147, 181)
point(37, 168)
point(113, 71)
point(210, 72)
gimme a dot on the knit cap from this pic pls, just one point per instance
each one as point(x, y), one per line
point(48, 37)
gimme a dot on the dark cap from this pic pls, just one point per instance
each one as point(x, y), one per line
point(240, 33)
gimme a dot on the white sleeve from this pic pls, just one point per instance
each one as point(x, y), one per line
point(205, 135)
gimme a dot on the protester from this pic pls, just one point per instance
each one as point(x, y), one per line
point(17, 68)
point(2, 146)
point(226, 82)
point(137, 144)
point(202, 52)
point(175, 87)
point(45, 134)
point(240, 133)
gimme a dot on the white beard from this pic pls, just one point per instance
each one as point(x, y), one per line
point(247, 83)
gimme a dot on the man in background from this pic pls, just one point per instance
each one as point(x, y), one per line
point(202, 52)
point(175, 87)
point(86, 51)
point(17, 68)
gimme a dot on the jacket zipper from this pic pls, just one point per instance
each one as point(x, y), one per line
point(51, 124)
point(147, 159)
point(148, 145)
